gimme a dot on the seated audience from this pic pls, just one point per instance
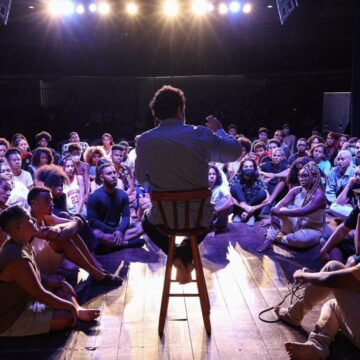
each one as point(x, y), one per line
point(19, 191)
point(74, 138)
point(220, 198)
point(107, 142)
point(263, 134)
point(272, 145)
point(338, 313)
point(314, 140)
point(301, 151)
point(4, 146)
point(233, 167)
point(27, 307)
point(339, 176)
point(108, 211)
point(340, 246)
point(289, 139)
point(292, 179)
point(82, 168)
point(5, 191)
point(260, 151)
point(274, 174)
point(21, 144)
point(248, 191)
point(356, 157)
point(74, 188)
point(298, 219)
point(279, 136)
point(43, 139)
point(13, 158)
point(50, 254)
point(342, 140)
point(319, 156)
point(92, 156)
point(331, 146)
point(232, 130)
point(41, 156)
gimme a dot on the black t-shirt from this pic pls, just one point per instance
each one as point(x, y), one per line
point(351, 220)
point(269, 167)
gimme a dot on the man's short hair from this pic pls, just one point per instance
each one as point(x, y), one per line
point(259, 144)
point(166, 102)
point(35, 192)
point(43, 135)
point(124, 143)
point(263, 129)
point(12, 151)
point(10, 215)
point(285, 126)
point(3, 141)
point(73, 147)
point(353, 140)
point(232, 126)
point(117, 147)
point(302, 139)
point(102, 166)
point(275, 141)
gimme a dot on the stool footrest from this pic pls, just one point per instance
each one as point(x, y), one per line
point(175, 281)
point(184, 295)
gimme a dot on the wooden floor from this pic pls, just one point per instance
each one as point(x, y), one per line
point(241, 283)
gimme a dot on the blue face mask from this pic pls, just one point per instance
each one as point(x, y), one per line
point(248, 172)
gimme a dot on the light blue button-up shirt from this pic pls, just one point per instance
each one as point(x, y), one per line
point(336, 182)
point(175, 157)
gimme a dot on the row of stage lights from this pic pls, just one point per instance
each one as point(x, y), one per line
point(170, 8)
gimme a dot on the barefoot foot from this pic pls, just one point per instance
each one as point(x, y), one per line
point(283, 314)
point(302, 351)
point(88, 314)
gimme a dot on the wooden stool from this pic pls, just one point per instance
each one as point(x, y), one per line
point(174, 199)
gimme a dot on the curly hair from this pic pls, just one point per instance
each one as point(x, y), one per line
point(43, 135)
point(324, 149)
point(166, 102)
point(312, 138)
point(51, 175)
point(37, 153)
point(91, 151)
point(256, 171)
point(293, 176)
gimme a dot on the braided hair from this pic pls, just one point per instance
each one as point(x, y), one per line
point(314, 173)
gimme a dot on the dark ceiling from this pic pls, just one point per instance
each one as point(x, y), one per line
point(317, 37)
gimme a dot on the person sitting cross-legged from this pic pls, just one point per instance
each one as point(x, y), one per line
point(298, 219)
point(108, 212)
point(338, 313)
point(249, 192)
point(27, 307)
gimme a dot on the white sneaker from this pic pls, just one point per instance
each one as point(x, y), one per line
point(236, 219)
point(251, 221)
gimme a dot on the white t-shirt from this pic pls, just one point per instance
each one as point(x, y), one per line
point(218, 193)
point(24, 178)
point(18, 195)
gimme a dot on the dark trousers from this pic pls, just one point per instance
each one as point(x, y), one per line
point(183, 251)
point(237, 193)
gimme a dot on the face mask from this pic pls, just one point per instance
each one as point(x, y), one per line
point(75, 158)
point(248, 172)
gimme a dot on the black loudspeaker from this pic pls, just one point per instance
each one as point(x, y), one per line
point(5, 10)
point(336, 112)
point(285, 8)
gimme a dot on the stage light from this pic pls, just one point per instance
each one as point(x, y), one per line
point(223, 9)
point(104, 8)
point(92, 7)
point(171, 7)
point(210, 7)
point(132, 8)
point(269, 6)
point(55, 8)
point(80, 9)
point(247, 8)
point(199, 7)
point(68, 7)
point(234, 6)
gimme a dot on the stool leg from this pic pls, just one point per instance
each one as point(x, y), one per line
point(201, 284)
point(166, 288)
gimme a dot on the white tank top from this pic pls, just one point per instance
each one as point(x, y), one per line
point(72, 192)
